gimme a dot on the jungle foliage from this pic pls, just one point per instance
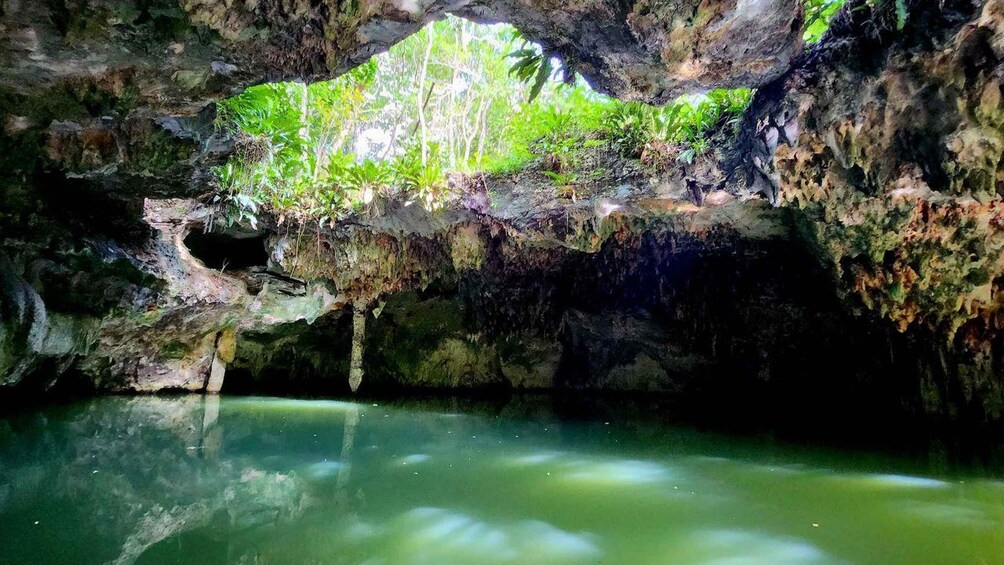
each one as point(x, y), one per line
point(818, 14)
point(455, 97)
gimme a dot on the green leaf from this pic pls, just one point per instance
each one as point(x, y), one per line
point(902, 13)
point(542, 75)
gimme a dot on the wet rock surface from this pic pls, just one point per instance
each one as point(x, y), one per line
point(117, 95)
point(887, 143)
point(881, 149)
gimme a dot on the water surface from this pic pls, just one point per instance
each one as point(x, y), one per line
point(252, 480)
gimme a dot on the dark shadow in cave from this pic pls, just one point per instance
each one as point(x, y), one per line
point(227, 251)
point(298, 358)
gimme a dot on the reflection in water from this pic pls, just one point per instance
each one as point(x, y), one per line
point(345, 468)
point(210, 480)
point(123, 475)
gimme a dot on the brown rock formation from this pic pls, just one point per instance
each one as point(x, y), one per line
point(882, 147)
point(889, 141)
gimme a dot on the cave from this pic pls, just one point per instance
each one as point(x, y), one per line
point(220, 251)
point(489, 281)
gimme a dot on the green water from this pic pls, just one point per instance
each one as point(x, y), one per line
point(249, 480)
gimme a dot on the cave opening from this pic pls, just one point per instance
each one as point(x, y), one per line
point(617, 352)
point(225, 251)
point(455, 100)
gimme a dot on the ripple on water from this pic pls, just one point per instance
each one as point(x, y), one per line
point(625, 471)
point(617, 471)
point(439, 535)
point(294, 405)
point(737, 547)
point(903, 481)
point(961, 513)
point(323, 469)
point(535, 458)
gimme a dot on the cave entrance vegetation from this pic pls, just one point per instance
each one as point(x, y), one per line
point(454, 98)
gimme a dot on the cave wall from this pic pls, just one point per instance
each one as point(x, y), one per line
point(881, 148)
point(887, 142)
point(116, 95)
point(106, 103)
point(725, 320)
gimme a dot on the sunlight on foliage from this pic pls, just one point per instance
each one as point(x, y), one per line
point(535, 67)
point(818, 14)
point(639, 130)
point(448, 99)
point(290, 148)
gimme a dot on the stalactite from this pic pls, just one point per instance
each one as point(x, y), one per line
point(358, 338)
point(226, 344)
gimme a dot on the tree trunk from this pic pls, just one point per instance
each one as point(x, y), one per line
point(484, 130)
point(304, 132)
point(421, 106)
